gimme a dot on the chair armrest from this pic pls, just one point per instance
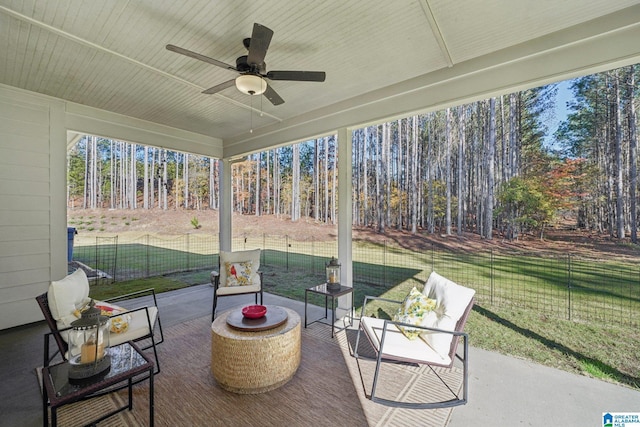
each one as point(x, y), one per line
point(137, 294)
point(369, 298)
point(129, 311)
point(215, 279)
point(48, 358)
point(424, 328)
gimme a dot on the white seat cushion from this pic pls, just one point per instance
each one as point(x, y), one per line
point(231, 290)
point(138, 326)
point(451, 302)
point(397, 346)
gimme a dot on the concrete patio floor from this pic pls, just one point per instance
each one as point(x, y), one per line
point(503, 391)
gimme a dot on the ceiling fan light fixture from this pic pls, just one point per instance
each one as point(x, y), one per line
point(251, 84)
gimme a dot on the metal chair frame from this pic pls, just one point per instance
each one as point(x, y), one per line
point(63, 347)
point(215, 282)
point(453, 355)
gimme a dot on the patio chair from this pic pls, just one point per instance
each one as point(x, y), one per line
point(60, 307)
point(238, 274)
point(430, 338)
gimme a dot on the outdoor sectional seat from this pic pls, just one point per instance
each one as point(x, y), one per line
point(65, 298)
point(426, 333)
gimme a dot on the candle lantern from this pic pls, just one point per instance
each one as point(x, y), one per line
point(333, 274)
point(89, 345)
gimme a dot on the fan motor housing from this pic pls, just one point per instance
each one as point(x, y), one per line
point(243, 67)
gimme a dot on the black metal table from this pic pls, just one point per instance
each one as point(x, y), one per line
point(127, 362)
point(328, 293)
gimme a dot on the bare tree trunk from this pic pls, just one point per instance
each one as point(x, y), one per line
point(431, 167)
point(175, 182)
point(112, 175)
point(122, 199)
point(447, 171)
point(145, 185)
point(325, 169)
point(414, 175)
point(633, 156)
point(267, 191)
point(387, 172)
point(316, 180)
point(334, 184)
point(513, 134)
point(152, 179)
point(356, 161)
point(295, 184)
point(489, 162)
point(365, 177)
point(213, 204)
point(185, 178)
point(258, 168)
point(380, 182)
point(461, 137)
point(618, 157)
point(399, 184)
point(277, 182)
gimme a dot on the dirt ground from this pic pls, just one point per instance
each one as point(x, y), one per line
point(176, 222)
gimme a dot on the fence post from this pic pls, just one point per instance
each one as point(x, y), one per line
point(491, 275)
point(188, 250)
point(313, 255)
point(148, 260)
point(569, 286)
point(286, 242)
point(433, 257)
point(384, 265)
point(264, 248)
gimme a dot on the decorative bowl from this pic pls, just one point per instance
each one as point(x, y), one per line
point(254, 311)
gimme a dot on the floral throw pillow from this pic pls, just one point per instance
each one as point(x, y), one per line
point(414, 310)
point(238, 273)
point(119, 324)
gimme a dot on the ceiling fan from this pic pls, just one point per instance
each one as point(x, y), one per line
point(252, 67)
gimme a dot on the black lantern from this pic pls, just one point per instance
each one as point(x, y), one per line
point(333, 274)
point(89, 345)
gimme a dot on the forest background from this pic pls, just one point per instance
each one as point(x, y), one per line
point(490, 168)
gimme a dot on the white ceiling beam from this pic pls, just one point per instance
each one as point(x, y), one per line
point(435, 29)
point(88, 120)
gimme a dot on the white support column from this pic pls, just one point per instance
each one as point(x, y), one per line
point(345, 217)
point(226, 209)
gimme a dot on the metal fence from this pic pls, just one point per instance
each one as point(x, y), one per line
point(560, 285)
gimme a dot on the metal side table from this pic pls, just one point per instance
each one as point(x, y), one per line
point(328, 294)
point(127, 362)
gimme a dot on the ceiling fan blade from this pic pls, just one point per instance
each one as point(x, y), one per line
point(301, 76)
point(218, 88)
point(273, 96)
point(201, 57)
point(260, 40)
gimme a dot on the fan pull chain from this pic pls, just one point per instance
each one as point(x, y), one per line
point(251, 114)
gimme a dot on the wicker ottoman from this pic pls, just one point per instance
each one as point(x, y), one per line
point(254, 362)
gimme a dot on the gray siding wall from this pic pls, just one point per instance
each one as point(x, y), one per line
point(32, 202)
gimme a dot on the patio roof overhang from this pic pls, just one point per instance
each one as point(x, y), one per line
point(101, 68)
point(382, 61)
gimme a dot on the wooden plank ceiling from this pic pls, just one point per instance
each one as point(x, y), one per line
point(111, 54)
